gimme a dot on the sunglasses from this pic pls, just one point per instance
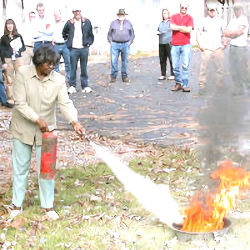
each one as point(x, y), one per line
point(184, 8)
point(50, 65)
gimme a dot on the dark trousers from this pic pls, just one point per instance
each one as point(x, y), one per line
point(238, 58)
point(164, 54)
point(75, 55)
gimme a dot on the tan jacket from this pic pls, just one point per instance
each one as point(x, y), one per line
point(37, 99)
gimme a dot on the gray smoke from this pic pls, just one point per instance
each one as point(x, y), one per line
point(225, 120)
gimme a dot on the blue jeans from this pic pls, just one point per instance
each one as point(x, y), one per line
point(115, 50)
point(21, 157)
point(63, 51)
point(3, 97)
point(75, 55)
point(38, 44)
point(182, 53)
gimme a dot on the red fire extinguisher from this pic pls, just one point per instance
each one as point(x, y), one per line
point(48, 156)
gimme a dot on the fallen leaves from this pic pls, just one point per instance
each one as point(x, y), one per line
point(17, 223)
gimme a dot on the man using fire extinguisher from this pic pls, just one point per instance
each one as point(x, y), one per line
point(37, 90)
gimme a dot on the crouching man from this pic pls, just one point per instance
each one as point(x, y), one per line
point(37, 91)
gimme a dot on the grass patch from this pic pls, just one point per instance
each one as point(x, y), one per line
point(97, 213)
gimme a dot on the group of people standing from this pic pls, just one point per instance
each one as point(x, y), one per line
point(174, 44)
point(70, 39)
point(213, 36)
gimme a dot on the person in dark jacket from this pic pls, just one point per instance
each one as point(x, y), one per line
point(78, 34)
point(12, 46)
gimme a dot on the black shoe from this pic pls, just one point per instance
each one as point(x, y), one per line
point(9, 105)
point(125, 79)
point(186, 89)
point(112, 79)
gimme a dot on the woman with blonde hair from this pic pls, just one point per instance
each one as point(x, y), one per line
point(165, 37)
point(12, 46)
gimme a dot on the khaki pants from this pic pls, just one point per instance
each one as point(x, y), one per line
point(12, 66)
point(217, 58)
point(27, 55)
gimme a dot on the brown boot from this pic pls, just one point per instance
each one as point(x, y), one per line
point(112, 79)
point(177, 87)
point(125, 79)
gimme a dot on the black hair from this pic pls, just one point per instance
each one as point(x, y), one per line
point(45, 54)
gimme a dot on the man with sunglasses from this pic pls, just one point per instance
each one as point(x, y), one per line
point(78, 33)
point(211, 42)
point(182, 25)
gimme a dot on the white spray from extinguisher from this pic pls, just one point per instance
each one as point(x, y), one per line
point(154, 197)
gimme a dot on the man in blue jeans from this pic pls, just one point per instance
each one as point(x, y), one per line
point(79, 35)
point(182, 25)
point(3, 97)
point(59, 43)
point(120, 36)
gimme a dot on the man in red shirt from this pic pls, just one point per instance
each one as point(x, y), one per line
point(182, 25)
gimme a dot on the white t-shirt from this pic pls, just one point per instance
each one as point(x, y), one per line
point(211, 32)
point(57, 32)
point(77, 39)
point(234, 24)
point(27, 33)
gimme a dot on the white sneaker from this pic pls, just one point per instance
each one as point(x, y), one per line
point(87, 90)
point(13, 212)
point(171, 78)
point(162, 78)
point(71, 90)
point(52, 215)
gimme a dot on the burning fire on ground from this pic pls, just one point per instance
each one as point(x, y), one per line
point(207, 212)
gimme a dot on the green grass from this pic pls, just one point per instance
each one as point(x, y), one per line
point(97, 213)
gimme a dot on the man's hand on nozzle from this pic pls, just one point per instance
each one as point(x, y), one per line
point(42, 125)
point(78, 128)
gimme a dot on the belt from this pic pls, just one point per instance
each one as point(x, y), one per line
point(120, 42)
point(29, 46)
point(45, 42)
point(59, 43)
point(237, 46)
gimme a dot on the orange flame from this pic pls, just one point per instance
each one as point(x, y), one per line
point(207, 212)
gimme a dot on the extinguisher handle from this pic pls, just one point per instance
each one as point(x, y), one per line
point(84, 137)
